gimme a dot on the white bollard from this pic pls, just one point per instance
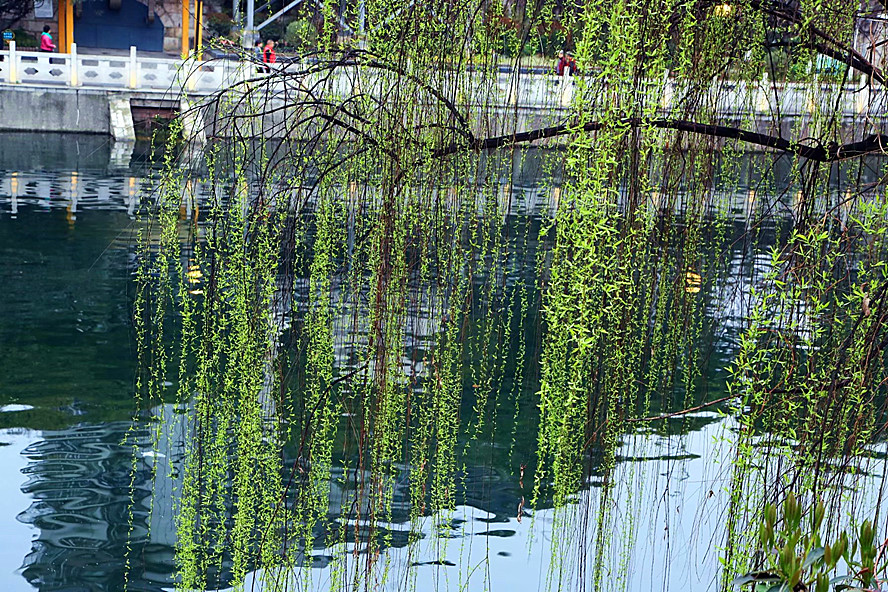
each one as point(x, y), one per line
point(74, 81)
point(133, 68)
point(13, 63)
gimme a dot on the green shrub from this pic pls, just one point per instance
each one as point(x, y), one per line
point(301, 34)
point(219, 23)
point(25, 39)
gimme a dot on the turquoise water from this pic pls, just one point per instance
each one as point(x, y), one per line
point(66, 373)
point(68, 519)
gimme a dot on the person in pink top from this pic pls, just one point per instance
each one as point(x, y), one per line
point(46, 43)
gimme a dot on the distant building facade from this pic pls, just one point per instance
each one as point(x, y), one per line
point(150, 25)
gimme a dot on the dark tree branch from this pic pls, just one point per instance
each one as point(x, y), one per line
point(820, 153)
point(839, 52)
point(12, 11)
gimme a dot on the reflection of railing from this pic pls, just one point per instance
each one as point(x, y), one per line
point(69, 190)
point(116, 72)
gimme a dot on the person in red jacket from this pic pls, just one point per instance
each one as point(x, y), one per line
point(565, 60)
point(46, 43)
point(268, 55)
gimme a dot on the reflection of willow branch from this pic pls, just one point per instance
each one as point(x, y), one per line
point(681, 411)
point(296, 463)
point(314, 410)
point(830, 152)
point(830, 387)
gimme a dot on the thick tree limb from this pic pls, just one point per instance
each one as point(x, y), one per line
point(820, 153)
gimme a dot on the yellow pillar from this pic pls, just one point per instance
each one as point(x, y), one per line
point(69, 25)
point(198, 30)
point(63, 26)
point(186, 24)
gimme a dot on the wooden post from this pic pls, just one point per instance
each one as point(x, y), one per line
point(186, 25)
point(63, 26)
point(69, 25)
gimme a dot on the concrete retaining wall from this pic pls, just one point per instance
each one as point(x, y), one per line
point(54, 110)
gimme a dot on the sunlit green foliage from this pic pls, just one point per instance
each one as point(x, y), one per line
point(352, 316)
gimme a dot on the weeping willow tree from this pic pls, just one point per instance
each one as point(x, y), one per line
point(346, 290)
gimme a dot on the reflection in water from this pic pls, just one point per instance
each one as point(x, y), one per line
point(68, 284)
point(79, 480)
point(15, 536)
point(69, 519)
point(67, 371)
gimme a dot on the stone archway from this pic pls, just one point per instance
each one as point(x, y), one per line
point(170, 14)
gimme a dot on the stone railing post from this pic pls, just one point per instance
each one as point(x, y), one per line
point(72, 57)
point(133, 69)
point(13, 63)
point(189, 70)
point(566, 94)
point(762, 103)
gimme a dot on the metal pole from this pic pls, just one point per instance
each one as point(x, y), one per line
point(248, 29)
point(198, 30)
point(342, 24)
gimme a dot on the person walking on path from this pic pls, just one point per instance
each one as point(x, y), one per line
point(46, 43)
point(257, 49)
point(268, 55)
point(565, 60)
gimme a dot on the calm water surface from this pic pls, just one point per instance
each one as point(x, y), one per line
point(66, 398)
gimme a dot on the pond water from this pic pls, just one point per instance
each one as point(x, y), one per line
point(68, 520)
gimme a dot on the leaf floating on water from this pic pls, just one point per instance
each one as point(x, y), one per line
point(692, 282)
point(13, 407)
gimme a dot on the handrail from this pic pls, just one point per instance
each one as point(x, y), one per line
point(136, 73)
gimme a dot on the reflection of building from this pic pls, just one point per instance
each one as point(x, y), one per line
point(79, 479)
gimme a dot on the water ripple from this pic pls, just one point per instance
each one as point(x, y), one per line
point(79, 480)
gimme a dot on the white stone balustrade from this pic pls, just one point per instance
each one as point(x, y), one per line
point(539, 92)
point(116, 72)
